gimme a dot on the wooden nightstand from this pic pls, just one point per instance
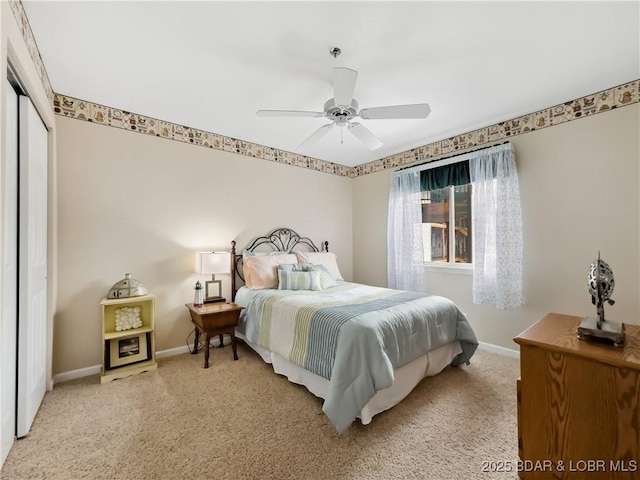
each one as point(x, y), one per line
point(578, 403)
point(215, 319)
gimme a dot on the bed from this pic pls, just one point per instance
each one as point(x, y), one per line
point(360, 348)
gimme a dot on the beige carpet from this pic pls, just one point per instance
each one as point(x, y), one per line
point(241, 420)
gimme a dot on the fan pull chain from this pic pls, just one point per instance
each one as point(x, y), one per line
point(342, 136)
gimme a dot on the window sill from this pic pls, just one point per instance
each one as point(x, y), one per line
point(459, 269)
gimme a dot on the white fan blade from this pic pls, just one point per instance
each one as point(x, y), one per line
point(288, 113)
point(317, 135)
point(364, 135)
point(344, 83)
point(417, 110)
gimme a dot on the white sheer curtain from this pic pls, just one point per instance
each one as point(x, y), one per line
point(497, 228)
point(405, 251)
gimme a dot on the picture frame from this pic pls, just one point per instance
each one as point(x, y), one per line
point(127, 350)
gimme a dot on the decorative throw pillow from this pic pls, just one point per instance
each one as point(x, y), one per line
point(328, 259)
point(261, 271)
point(299, 280)
point(297, 267)
point(326, 279)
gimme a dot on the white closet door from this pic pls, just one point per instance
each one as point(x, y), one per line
point(32, 285)
point(9, 319)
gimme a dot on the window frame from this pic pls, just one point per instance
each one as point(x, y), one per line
point(450, 266)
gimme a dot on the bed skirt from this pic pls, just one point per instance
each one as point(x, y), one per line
point(405, 378)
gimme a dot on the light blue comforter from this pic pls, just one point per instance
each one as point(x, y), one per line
point(355, 336)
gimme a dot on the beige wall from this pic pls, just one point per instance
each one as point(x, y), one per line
point(144, 205)
point(579, 185)
point(140, 204)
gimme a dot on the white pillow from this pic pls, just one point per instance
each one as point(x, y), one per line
point(247, 253)
point(328, 259)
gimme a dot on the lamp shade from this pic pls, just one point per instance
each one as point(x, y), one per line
point(210, 263)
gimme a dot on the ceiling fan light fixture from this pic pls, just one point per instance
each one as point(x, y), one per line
point(341, 121)
point(332, 110)
point(342, 108)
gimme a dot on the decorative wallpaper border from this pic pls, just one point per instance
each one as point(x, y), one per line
point(76, 108)
point(32, 46)
point(620, 96)
point(92, 112)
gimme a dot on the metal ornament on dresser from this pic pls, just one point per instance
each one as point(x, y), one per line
point(600, 282)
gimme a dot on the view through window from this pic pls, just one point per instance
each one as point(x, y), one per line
point(441, 209)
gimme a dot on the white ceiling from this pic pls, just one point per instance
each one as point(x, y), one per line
point(211, 65)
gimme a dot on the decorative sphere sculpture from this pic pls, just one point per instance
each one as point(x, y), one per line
point(601, 283)
point(601, 275)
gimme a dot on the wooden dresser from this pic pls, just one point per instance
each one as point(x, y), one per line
point(578, 403)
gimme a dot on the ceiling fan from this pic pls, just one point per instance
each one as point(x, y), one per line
point(343, 108)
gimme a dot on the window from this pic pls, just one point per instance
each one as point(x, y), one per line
point(442, 208)
point(431, 209)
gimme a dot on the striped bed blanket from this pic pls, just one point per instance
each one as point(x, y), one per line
point(355, 336)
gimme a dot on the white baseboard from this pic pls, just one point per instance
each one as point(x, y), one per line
point(172, 351)
point(73, 374)
point(489, 347)
point(95, 369)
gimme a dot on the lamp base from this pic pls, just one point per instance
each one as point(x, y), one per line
point(214, 299)
point(610, 332)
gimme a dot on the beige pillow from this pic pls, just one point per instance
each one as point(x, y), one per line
point(262, 271)
point(246, 254)
point(328, 259)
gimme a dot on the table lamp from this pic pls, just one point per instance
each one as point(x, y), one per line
point(211, 263)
